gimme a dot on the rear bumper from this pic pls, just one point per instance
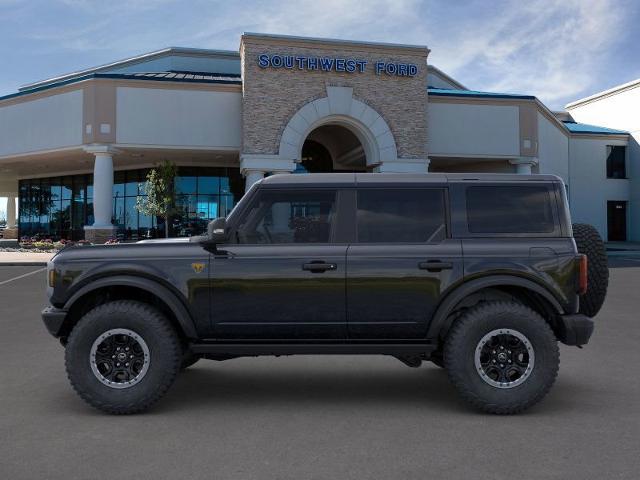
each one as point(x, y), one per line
point(53, 319)
point(575, 329)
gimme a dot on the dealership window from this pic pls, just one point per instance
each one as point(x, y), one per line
point(616, 161)
point(509, 209)
point(60, 207)
point(401, 215)
point(56, 207)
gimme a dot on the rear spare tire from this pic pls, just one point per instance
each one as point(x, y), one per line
point(590, 243)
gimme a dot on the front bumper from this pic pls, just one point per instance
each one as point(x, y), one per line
point(53, 319)
point(575, 329)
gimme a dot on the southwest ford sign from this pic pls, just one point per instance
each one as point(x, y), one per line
point(335, 64)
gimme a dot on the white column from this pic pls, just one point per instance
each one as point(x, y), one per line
point(102, 187)
point(524, 164)
point(11, 212)
point(254, 166)
point(102, 190)
point(251, 177)
point(281, 212)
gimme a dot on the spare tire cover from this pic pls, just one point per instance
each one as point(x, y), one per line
point(590, 243)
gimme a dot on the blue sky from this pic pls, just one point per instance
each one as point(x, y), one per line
point(556, 50)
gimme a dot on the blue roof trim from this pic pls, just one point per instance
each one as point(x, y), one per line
point(445, 92)
point(575, 127)
point(225, 79)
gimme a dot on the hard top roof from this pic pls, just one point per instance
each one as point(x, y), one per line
point(352, 179)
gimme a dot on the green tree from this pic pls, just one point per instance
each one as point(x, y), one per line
point(160, 193)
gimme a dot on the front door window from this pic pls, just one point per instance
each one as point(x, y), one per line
point(281, 217)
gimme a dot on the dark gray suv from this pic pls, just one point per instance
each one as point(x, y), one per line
point(480, 274)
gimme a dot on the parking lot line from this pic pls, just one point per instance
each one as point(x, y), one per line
point(22, 276)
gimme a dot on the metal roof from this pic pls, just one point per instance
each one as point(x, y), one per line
point(446, 92)
point(131, 61)
point(176, 75)
point(187, 77)
point(575, 127)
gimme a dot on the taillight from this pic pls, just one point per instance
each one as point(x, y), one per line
point(582, 274)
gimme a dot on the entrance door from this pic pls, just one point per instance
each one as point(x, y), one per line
point(401, 263)
point(617, 221)
point(285, 276)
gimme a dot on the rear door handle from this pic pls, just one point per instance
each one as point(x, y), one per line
point(435, 266)
point(318, 266)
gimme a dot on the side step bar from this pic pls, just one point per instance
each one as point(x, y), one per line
point(255, 349)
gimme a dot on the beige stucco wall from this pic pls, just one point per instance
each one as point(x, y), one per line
point(553, 148)
point(50, 122)
point(460, 129)
point(178, 117)
point(272, 96)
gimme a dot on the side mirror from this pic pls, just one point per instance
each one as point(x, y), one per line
point(217, 230)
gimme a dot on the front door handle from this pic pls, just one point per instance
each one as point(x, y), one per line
point(435, 266)
point(319, 266)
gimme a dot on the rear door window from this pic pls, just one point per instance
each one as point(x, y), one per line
point(410, 215)
point(510, 209)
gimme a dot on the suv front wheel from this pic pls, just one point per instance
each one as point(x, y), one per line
point(123, 356)
point(502, 357)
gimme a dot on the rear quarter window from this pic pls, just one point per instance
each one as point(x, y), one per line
point(509, 209)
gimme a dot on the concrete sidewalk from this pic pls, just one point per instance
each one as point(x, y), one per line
point(25, 258)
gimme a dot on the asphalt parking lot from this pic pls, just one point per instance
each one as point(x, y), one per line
point(320, 417)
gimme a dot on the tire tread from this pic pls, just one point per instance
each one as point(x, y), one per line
point(590, 243)
point(163, 326)
point(455, 344)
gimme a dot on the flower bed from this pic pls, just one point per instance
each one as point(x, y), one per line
point(47, 245)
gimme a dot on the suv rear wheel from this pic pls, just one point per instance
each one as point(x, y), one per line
point(122, 357)
point(502, 357)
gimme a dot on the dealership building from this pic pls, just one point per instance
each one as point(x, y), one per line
point(74, 149)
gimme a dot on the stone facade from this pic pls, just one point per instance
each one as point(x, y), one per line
point(272, 96)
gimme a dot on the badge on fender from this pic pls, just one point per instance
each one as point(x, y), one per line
point(197, 267)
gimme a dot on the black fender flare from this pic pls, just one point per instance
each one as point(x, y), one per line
point(440, 323)
point(165, 295)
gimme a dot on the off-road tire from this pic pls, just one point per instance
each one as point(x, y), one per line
point(590, 243)
point(463, 339)
point(165, 356)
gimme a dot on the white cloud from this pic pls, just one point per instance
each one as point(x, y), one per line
point(349, 19)
point(554, 50)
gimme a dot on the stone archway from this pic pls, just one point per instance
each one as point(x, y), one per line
point(339, 108)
